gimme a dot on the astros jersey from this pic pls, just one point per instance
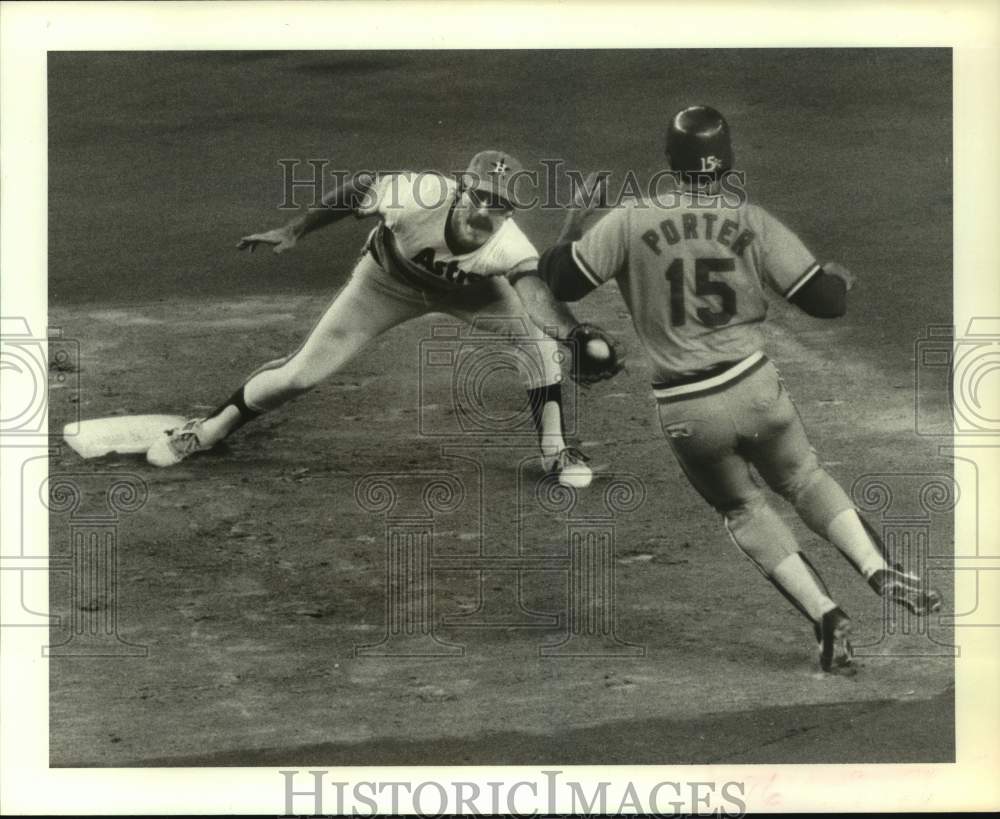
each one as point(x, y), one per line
point(693, 277)
point(413, 242)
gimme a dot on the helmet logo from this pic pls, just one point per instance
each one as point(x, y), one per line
point(710, 163)
point(500, 166)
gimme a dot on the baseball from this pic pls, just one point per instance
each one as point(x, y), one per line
point(598, 349)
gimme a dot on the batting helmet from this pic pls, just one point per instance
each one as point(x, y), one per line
point(698, 141)
point(493, 173)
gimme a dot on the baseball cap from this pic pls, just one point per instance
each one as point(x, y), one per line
point(494, 173)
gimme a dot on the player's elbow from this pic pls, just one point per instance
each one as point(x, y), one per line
point(559, 271)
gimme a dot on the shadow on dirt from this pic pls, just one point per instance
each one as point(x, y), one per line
point(815, 734)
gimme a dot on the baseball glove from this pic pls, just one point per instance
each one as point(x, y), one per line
point(587, 368)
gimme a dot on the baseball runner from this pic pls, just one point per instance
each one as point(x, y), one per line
point(439, 246)
point(693, 278)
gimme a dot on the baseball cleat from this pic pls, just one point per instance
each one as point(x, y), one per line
point(176, 444)
point(833, 634)
point(570, 468)
point(906, 589)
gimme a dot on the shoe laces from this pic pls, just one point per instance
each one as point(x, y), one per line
point(896, 573)
point(890, 577)
point(186, 440)
point(570, 455)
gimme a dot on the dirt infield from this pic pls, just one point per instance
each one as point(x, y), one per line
point(251, 575)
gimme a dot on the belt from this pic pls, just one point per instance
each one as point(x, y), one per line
point(713, 379)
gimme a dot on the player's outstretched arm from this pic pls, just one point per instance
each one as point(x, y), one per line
point(596, 355)
point(337, 204)
point(279, 239)
point(550, 316)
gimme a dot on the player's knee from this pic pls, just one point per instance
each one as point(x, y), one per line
point(798, 478)
point(820, 501)
point(339, 341)
point(741, 513)
point(321, 357)
point(759, 534)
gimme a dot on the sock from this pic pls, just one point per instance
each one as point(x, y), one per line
point(227, 418)
point(546, 412)
point(815, 573)
point(798, 583)
point(848, 533)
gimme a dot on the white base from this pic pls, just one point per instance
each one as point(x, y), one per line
point(124, 434)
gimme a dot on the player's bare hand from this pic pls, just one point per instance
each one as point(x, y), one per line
point(280, 240)
point(840, 272)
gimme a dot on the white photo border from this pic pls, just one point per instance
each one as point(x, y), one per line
point(29, 30)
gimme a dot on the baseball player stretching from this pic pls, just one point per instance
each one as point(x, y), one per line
point(693, 276)
point(439, 247)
